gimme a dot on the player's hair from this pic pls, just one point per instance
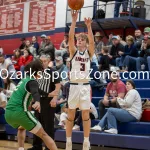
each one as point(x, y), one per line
point(83, 36)
point(34, 66)
point(105, 49)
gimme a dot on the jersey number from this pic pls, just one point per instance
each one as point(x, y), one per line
point(82, 67)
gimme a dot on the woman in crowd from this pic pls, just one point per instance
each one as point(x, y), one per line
point(35, 44)
point(25, 59)
point(16, 59)
point(130, 111)
point(31, 48)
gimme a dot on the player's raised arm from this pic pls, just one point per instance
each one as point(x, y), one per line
point(72, 49)
point(88, 22)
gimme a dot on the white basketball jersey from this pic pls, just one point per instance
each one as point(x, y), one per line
point(80, 67)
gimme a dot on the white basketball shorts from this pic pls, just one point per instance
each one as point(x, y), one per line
point(79, 97)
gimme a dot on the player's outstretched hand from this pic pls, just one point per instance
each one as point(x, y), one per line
point(88, 22)
point(74, 15)
point(36, 106)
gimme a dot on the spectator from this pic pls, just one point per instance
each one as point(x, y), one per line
point(10, 86)
point(6, 66)
point(117, 6)
point(138, 39)
point(116, 88)
point(43, 42)
point(144, 58)
point(23, 45)
point(105, 60)
point(98, 43)
point(31, 48)
point(64, 44)
point(130, 54)
point(116, 51)
point(109, 43)
point(1, 50)
point(16, 59)
point(25, 59)
point(35, 44)
point(147, 31)
point(78, 120)
point(62, 69)
point(130, 111)
point(48, 48)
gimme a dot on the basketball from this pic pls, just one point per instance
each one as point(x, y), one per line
point(76, 4)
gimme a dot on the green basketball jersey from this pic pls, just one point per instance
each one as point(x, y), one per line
point(20, 98)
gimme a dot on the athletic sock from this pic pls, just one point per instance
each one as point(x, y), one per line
point(69, 139)
point(21, 148)
point(86, 139)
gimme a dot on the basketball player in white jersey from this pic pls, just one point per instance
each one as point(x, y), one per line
point(79, 94)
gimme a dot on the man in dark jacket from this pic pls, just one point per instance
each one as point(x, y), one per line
point(48, 48)
point(116, 51)
point(144, 55)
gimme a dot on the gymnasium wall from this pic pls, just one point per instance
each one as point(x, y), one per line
point(10, 42)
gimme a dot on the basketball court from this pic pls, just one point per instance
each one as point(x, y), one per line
point(11, 145)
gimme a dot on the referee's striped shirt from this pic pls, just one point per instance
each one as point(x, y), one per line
point(48, 81)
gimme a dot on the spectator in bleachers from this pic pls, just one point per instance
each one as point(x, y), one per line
point(144, 58)
point(62, 69)
point(23, 45)
point(25, 59)
point(117, 6)
point(116, 88)
point(138, 39)
point(30, 47)
point(105, 60)
point(48, 48)
point(129, 54)
point(6, 66)
point(16, 59)
point(10, 86)
point(104, 64)
point(98, 43)
point(109, 43)
point(1, 50)
point(147, 31)
point(116, 51)
point(35, 44)
point(130, 110)
point(64, 45)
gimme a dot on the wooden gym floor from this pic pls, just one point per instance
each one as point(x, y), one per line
point(11, 145)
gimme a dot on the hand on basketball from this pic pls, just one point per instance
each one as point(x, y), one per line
point(74, 15)
point(88, 22)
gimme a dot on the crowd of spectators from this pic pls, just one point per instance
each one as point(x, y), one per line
point(131, 54)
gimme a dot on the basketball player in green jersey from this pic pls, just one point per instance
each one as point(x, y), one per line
point(17, 114)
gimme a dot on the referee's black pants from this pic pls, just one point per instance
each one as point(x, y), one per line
point(46, 118)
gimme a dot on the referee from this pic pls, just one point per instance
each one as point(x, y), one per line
point(48, 104)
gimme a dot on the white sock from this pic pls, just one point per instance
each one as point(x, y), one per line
point(86, 139)
point(21, 148)
point(69, 139)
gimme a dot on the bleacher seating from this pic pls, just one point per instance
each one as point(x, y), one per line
point(133, 135)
